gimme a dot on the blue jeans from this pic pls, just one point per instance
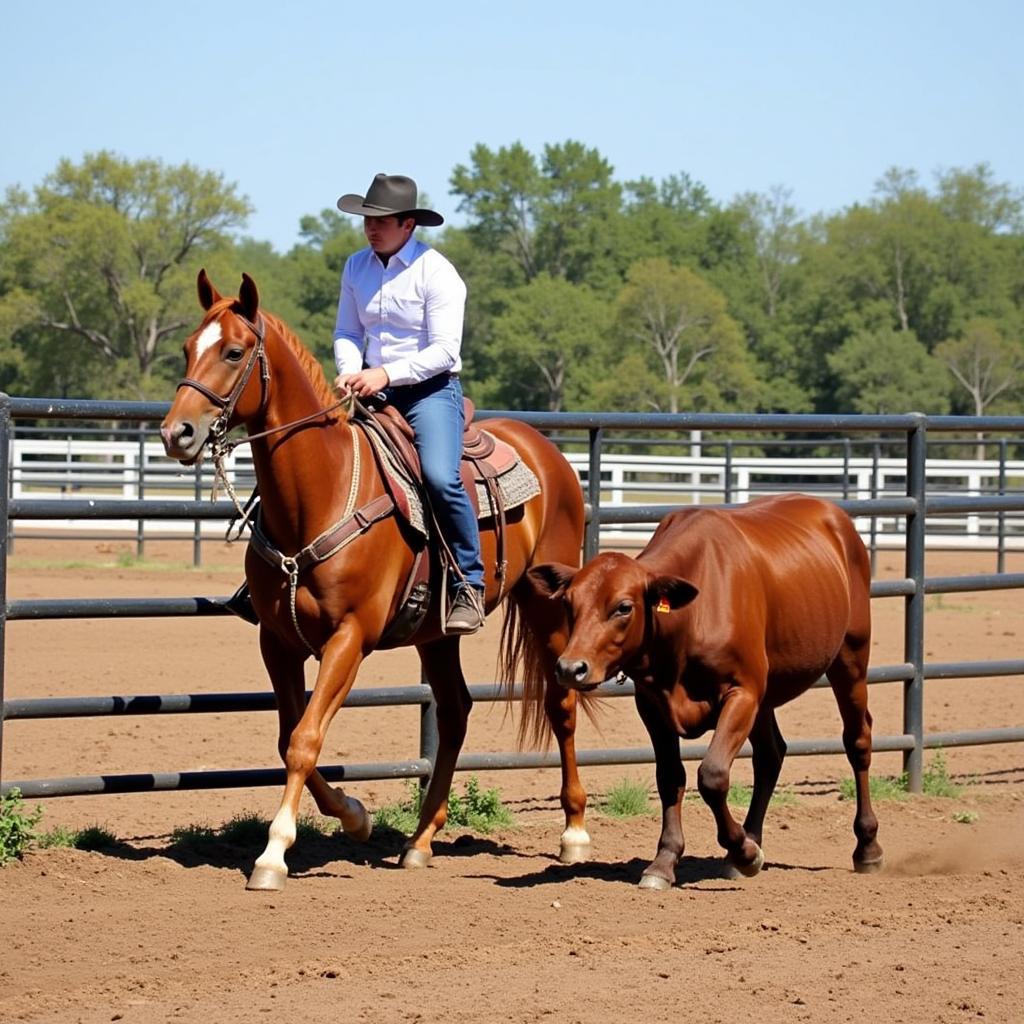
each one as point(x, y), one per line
point(434, 411)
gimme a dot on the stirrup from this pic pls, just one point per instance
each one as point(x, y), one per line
point(240, 604)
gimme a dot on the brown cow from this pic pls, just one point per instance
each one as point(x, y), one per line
point(724, 616)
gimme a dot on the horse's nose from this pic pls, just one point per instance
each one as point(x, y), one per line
point(176, 436)
point(572, 673)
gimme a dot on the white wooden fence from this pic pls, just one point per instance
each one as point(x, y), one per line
point(76, 468)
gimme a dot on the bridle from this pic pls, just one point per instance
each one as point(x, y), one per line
point(219, 427)
point(352, 524)
point(220, 446)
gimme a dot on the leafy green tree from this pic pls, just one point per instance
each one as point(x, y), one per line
point(556, 215)
point(550, 344)
point(500, 192)
point(312, 273)
point(578, 214)
point(666, 219)
point(889, 371)
point(988, 367)
point(972, 196)
point(99, 265)
point(681, 321)
point(773, 224)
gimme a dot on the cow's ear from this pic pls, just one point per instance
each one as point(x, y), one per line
point(551, 578)
point(667, 593)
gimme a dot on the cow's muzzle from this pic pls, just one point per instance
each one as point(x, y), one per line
point(573, 674)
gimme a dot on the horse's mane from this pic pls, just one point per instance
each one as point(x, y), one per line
point(307, 361)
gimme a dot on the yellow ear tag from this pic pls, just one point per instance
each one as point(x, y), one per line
point(663, 606)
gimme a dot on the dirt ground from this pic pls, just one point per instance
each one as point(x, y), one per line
point(495, 929)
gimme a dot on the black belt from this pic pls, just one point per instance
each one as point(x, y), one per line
point(428, 386)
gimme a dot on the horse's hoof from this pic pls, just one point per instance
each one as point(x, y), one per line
point(266, 880)
point(748, 870)
point(415, 858)
point(654, 882)
point(869, 867)
point(574, 853)
point(574, 847)
point(362, 832)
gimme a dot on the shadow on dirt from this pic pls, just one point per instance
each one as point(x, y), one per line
point(310, 855)
point(707, 874)
point(691, 870)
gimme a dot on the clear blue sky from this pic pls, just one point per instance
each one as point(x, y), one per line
point(299, 103)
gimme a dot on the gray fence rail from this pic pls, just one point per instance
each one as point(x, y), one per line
point(596, 430)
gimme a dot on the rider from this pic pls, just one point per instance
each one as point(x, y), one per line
point(399, 331)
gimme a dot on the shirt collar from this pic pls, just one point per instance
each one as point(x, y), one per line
point(407, 253)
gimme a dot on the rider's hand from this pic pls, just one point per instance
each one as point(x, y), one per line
point(362, 384)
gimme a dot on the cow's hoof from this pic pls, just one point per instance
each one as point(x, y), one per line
point(264, 879)
point(415, 858)
point(654, 882)
point(747, 870)
point(869, 867)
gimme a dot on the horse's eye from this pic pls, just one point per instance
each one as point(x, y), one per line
point(624, 608)
point(234, 355)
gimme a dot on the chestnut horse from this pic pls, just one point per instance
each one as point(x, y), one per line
point(726, 614)
point(314, 471)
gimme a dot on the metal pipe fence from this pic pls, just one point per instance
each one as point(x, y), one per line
point(99, 463)
point(597, 431)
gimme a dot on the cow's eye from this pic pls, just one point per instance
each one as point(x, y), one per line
point(234, 355)
point(623, 608)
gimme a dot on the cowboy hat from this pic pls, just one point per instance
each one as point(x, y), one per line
point(387, 195)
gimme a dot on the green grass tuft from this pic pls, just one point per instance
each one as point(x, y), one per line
point(480, 810)
point(196, 838)
point(626, 799)
point(935, 781)
point(404, 815)
point(92, 837)
point(740, 795)
point(17, 826)
point(247, 829)
point(313, 826)
point(965, 817)
point(881, 787)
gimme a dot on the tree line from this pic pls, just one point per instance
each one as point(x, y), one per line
point(585, 292)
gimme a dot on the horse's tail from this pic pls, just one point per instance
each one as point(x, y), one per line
point(521, 656)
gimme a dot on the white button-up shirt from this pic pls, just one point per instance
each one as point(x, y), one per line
point(406, 316)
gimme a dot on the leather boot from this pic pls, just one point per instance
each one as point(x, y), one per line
point(466, 612)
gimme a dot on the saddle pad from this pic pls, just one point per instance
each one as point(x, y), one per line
point(516, 484)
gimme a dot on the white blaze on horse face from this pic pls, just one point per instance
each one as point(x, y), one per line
point(209, 336)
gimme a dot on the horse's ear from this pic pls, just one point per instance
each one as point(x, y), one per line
point(249, 298)
point(551, 579)
point(208, 295)
point(667, 593)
